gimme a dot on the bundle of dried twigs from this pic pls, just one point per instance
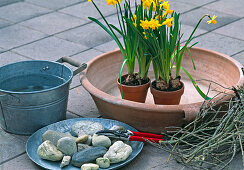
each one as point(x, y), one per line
point(213, 138)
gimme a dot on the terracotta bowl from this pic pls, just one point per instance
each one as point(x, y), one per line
point(100, 77)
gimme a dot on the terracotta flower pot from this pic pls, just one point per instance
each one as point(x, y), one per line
point(167, 97)
point(134, 93)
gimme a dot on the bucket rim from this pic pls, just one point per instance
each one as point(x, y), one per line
point(40, 91)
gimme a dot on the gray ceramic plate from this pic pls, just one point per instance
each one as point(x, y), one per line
point(64, 126)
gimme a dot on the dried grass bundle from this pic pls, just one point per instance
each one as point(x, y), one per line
point(213, 138)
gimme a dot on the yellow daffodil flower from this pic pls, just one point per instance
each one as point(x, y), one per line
point(164, 5)
point(89, 0)
point(112, 2)
point(135, 24)
point(213, 21)
point(154, 24)
point(145, 24)
point(168, 22)
point(168, 11)
point(147, 4)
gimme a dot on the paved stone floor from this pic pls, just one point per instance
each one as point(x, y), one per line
point(50, 29)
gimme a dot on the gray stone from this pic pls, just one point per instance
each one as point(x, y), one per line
point(220, 43)
point(10, 57)
point(49, 152)
point(103, 162)
point(54, 4)
point(67, 145)
point(65, 161)
point(16, 35)
point(54, 136)
point(82, 139)
point(87, 155)
point(118, 128)
point(86, 127)
point(82, 146)
point(89, 140)
point(50, 48)
point(53, 23)
point(234, 30)
point(101, 140)
point(86, 9)
point(118, 152)
point(21, 11)
point(89, 166)
point(191, 18)
point(89, 35)
point(224, 6)
point(10, 146)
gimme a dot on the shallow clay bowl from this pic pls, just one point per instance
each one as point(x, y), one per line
point(100, 77)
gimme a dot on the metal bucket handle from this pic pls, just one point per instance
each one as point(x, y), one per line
point(74, 63)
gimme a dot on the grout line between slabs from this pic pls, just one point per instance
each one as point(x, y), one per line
point(75, 113)
point(237, 53)
point(12, 158)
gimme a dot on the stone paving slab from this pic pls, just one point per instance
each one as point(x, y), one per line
point(186, 30)
point(219, 43)
point(22, 162)
point(54, 4)
point(10, 57)
point(81, 103)
point(2, 50)
point(108, 46)
point(50, 48)
point(89, 35)
point(17, 35)
point(234, 29)
point(10, 146)
point(239, 57)
point(191, 18)
point(197, 2)
point(53, 23)
point(25, 11)
point(4, 23)
point(181, 7)
point(86, 9)
point(235, 8)
point(7, 2)
point(86, 56)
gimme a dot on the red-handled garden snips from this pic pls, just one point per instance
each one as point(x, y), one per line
point(131, 135)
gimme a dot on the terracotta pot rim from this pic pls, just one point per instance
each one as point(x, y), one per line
point(145, 106)
point(175, 91)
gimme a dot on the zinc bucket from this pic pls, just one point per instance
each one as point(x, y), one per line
point(34, 94)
